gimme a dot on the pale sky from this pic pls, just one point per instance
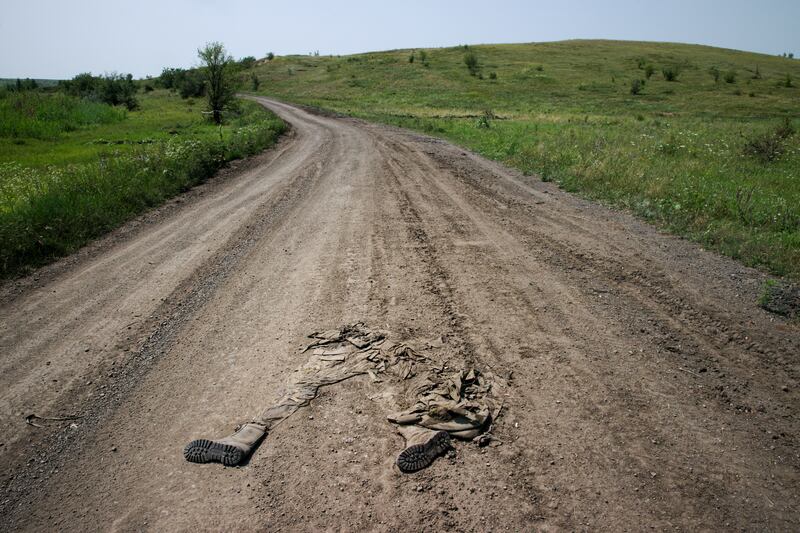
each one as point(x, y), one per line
point(60, 38)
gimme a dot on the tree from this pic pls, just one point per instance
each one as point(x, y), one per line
point(219, 89)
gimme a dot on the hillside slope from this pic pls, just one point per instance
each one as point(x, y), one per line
point(675, 153)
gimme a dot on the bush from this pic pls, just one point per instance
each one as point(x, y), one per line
point(757, 74)
point(246, 62)
point(118, 90)
point(411, 58)
point(190, 84)
point(148, 88)
point(254, 81)
point(770, 146)
point(539, 68)
point(270, 56)
point(493, 75)
point(636, 86)
point(715, 73)
point(423, 56)
point(730, 76)
point(649, 70)
point(471, 61)
point(787, 82)
point(670, 73)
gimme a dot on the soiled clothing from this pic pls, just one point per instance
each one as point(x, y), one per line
point(460, 401)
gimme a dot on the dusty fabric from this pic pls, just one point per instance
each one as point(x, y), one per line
point(459, 401)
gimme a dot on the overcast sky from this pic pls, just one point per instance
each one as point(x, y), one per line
point(60, 38)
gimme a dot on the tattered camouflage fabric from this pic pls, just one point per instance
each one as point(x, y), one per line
point(443, 401)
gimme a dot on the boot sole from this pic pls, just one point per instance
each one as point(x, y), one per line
point(419, 456)
point(209, 451)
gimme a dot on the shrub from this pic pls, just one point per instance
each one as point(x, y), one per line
point(191, 84)
point(730, 76)
point(423, 56)
point(649, 70)
point(540, 68)
point(411, 58)
point(636, 86)
point(715, 73)
point(118, 90)
point(769, 146)
point(254, 81)
point(485, 119)
point(787, 82)
point(757, 74)
point(493, 75)
point(270, 56)
point(670, 73)
point(471, 61)
point(148, 88)
point(246, 62)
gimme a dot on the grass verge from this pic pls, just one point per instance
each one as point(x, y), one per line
point(46, 212)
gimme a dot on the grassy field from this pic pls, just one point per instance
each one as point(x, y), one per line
point(71, 170)
point(707, 155)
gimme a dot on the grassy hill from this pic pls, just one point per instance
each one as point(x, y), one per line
point(707, 155)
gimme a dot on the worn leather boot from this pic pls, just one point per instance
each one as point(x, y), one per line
point(231, 450)
point(423, 446)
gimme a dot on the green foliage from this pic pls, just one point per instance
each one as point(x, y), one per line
point(255, 83)
point(649, 70)
point(219, 87)
point(51, 211)
point(423, 57)
point(730, 76)
point(787, 81)
point(670, 73)
point(769, 146)
point(270, 56)
point(636, 86)
point(493, 75)
point(411, 58)
point(46, 116)
point(715, 73)
point(113, 89)
point(246, 62)
point(471, 61)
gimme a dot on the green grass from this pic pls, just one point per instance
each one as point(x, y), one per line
point(35, 115)
point(58, 193)
point(673, 154)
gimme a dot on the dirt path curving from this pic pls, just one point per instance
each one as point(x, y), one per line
point(645, 387)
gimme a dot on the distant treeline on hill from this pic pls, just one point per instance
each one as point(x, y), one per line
point(118, 89)
point(27, 83)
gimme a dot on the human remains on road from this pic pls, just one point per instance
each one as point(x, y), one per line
point(445, 402)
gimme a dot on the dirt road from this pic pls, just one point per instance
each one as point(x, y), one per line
point(646, 389)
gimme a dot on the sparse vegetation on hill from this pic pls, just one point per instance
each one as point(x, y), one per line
point(675, 152)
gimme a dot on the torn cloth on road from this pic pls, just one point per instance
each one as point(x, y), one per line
point(461, 402)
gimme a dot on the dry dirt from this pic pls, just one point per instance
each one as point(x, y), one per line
point(646, 388)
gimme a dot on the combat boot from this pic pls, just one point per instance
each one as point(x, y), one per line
point(231, 450)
